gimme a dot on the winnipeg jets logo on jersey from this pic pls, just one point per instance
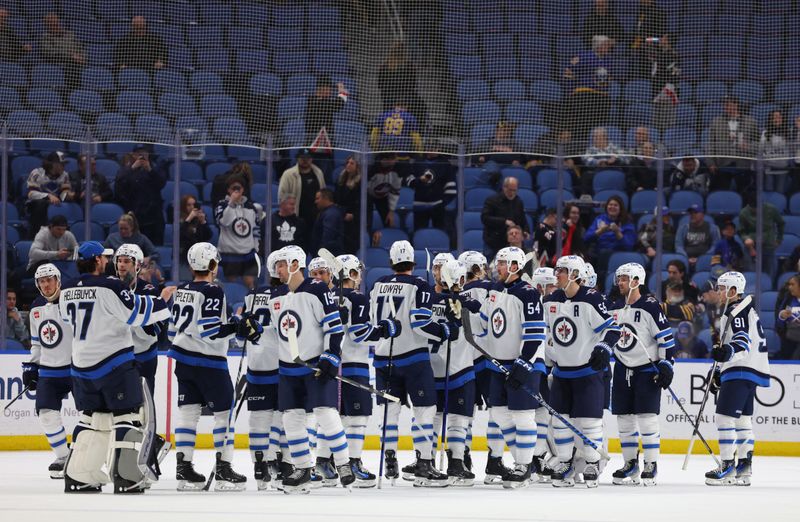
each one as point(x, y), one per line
point(289, 320)
point(241, 227)
point(498, 322)
point(50, 333)
point(286, 231)
point(564, 331)
point(627, 337)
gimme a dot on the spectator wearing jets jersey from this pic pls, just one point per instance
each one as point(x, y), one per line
point(47, 372)
point(643, 367)
point(402, 365)
point(105, 384)
point(47, 185)
point(516, 333)
point(239, 221)
point(434, 182)
point(741, 365)
point(309, 327)
point(583, 333)
point(200, 331)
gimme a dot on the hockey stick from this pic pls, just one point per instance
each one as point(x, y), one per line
point(586, 440)
point(23, 392)
point(445, 275)
point(696, 429)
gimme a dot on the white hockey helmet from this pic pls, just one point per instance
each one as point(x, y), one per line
point(46, 270)
point(544, 276)
point(351, 263)
point(471, 258)
point(589, 275)
point(732, 280)
point(130, 250)
point(442, 258)
point(511, 255)
point(272, 258)
point(454, 272)
point(292, 253)
point(573, 265)
point(633, 271)
point(401, 252)
point(318, 263)
point(203, 256)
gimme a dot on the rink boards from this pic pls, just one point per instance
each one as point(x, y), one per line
point(776, 419)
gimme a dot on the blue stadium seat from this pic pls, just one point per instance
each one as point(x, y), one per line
point(13, 75)
point(97, 233)
point(71, 211)
point(215, 169)
point(548, 179)
point(375, 273)
point(766, 282)
point(459, 43)
point(748, 91)
point(472, 221)
point(549, 198)
point(608, 180)
point(186, 188)
point(529, 199)
point(9, 99)
point(66, 125)
point(644, 202)
point(699, 278)
point(133, 103)
point(234, 292)
point(106, 214)
point(174, 105)
point(252, 61)
point(154, 128)
point(710, 91)
point(703, 263)
point(212, 59)
point(604, 195)
point(405, 200)
point(527, 136)
point(524, 112)
point(723, 202)
point(464, 66)
point(678, 140)
point(787, 246)
point(776, 199)
point(291, 107)
point(179, 58)
point(284, 38)
point(97, 79)
point(433, 239)
point(638, 91)
point(473, 90)
point(44, 100)
point(618, 259)
point(545, 91)
point(252, 14)
point(768, 301)
point(473, 240)
point(522, 175)
point(497, 67)
point(376, 257)
point(321, 16)
point(204, 37)
point(481, 135)
point(230, 130)
point(205, 82)
point(475, 198)
point(476, 112)
point(727, 68)
point(289, 62)
point(218, 106)
point(390, 235)
point(681, 200)
point(247, 38)
point(708, 112)
point(331, 63)
point(21, 166)
point(508, 90)
point(639, 114)
point(265, 85)
point(112, 126)
point(787, 92)
point(133, 79)
point(47, 76)
point(22, 250)
point(86, 102)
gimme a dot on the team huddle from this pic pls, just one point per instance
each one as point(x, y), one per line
point(534, 348)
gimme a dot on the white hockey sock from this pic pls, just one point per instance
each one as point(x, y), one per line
point(332, 432)
point(186, 429)
point(220, 424)
point(651, 436)
point(437, 430)
point(457, 426)
point(726, 426)
point(422, 430)
point(469, 434)
point(392, 417)
point(54, 431)
point(355, 429)
point(494, 438)
point(323, 448)
point(542, 417)
point(744, 435)
point(628, 436)
point(275, 430)
point(563, 439)
point(259, 432)
point(311, 429)
point(299, 451)
point(525, 424)
point(502, 417)
point(286, 455)
point(593, 429)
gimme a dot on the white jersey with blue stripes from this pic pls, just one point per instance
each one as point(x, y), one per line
point(51, 339)
point(642, 324)
point(262, 355)
point(199, 310)
point(745, 334)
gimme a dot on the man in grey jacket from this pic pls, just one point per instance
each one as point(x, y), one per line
point(52, 244)
point(733, 137)
point(302, 182)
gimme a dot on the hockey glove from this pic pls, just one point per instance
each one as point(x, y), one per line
point(30, 375)
point(228, 329)
point(389, 328)
point(601, 355)
point(344, 313)
point(714, 381)
point(665, 373)
point(328, 366)
point(249, 328)
point(520, 372)
point(722, 353)
point(449, 331)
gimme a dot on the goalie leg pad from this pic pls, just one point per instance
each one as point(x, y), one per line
point(89, 460)
point(128, 476)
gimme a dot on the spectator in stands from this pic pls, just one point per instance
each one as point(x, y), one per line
point(641, 137)
point(11, 49)
point(52, 243)
point(731, 137)
point(219, 188)
point(302, 182)
point(348, 196)
point(397, 130)
point(16, 327)
point(138, 190)
point(433, 180)
point(689, 174)
point(601, 154)
point(642, 172)
point(140, 48)
point(383, 189)
point(696, 237)
point(47, 185)
point(101, 188)
point(544, 238)
point(676, 274)
point(602, 20)
point(727, 251)
point(287, 227)
point(60, 47)
point(588, 77)
point(194, 229)
point(515, 237)
point(611, 231)
point(239, 220)
point(664, 73)
point(775, 148)
point(648, 233)
point(787, 324)
point(650, 24)
point(559, 142)
point(328, 229)
point(503, 146)
point(320, 110)
point(792, 263)
point(677, 306)
point(772, 232)
point(500, 212)
point(573, 232)
point(397, 80)
point(689, 346)
point(129, 232)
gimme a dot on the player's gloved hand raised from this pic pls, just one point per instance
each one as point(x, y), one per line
point(328, 365)
point(665, 373)
point(722, 353)
point(714, 380)
point(30, 375)
point(344, 313)
point(249, 328)
point(450, 331)
point(228, 329)
point(601, 355)
point(453, 312)
point(389, 328)
point(520, 372)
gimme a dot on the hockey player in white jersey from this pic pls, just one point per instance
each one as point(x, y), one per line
point(105, 383)
point(356, 404)
point(516, 333)
point(309, 327)
point(402, 365)
point(200, 332)
point(636, 397)
point(583, 333)
point(47, 372)
point(742, 365)
point(477, 288)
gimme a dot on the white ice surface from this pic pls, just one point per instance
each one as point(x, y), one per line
point(27, 494)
